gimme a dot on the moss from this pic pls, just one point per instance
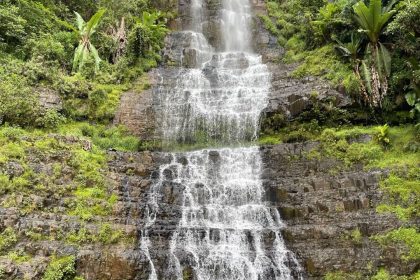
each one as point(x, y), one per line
point(403, 189)
point(12, 151)
point(105, 235)
point(409, 237)
point(356, 236)
point(116, 138)
point(269, 140)
point(35, 236)
point(19, 257)
point(79, 237)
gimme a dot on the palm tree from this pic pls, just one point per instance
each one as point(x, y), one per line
point(377, 67)
point(85, 48)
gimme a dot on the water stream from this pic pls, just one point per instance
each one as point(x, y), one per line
point(226, 231)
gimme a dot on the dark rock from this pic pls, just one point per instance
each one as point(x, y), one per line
point(319, 209)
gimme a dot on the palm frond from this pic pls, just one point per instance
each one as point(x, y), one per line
point(385, 58)
point(367, 77)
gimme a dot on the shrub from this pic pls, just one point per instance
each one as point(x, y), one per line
point(50, 119)
point(45, 47)
point(61, 269)
point(7, 238)
point(12, 25)
point(409, 237)
point(19, 105)
point(382, 135)
point(109, 236)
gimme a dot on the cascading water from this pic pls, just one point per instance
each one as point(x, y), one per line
point(226, 231)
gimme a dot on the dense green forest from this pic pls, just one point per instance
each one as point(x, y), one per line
point(90, 52)
point(87, 51)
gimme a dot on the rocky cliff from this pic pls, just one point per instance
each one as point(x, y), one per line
point(323, 211)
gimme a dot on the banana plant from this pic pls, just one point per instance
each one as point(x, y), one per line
point(372, 21)
point(85, 30)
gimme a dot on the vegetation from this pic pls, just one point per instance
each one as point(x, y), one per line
point(48, 50)
point(61, 269)
point(46, 46)
point(352, 44)
point(85, 48)
point(7, 238)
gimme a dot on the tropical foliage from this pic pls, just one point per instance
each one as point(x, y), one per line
point(46, 46)
point(377, 65)
point(366, 35)
point(86, 48)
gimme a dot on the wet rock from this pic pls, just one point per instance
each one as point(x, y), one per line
point(319, 209)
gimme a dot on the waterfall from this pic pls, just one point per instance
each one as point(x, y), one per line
point(226, 230)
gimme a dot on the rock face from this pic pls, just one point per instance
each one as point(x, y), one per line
point(137, 114)
point(321, 211)
point(43, 229)
point(49, 99)
point(290, 96)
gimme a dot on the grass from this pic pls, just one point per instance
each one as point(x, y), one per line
point(116, 138)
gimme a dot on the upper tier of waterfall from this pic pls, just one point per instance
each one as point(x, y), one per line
point(220, 97)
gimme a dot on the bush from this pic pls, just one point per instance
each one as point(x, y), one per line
point(109, 236)
point(12, 25)
point(46, 48)
point(7, 238)
point(61, 269)
point(50, 119)
point(409, 237)
point(19, 105)
point(382, 135)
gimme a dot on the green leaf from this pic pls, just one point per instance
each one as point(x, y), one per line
point(372, 19)
point(77, 56)
point(367, 76)
point(83, 57)
point(94, 21)
point(80, 22)
point(385, 58)
point(411, 98)
point(95, 56)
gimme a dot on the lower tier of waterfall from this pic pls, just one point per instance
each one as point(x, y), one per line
point(226, 231)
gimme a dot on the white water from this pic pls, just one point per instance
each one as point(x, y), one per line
point(226, 230)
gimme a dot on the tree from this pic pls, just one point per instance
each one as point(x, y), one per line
point(85, 48)
point(377, 64)
point(148, 34)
